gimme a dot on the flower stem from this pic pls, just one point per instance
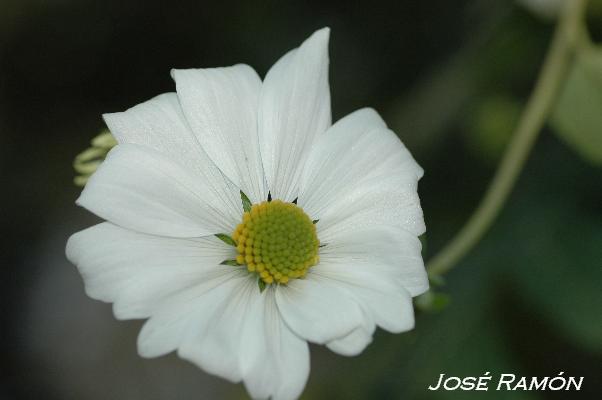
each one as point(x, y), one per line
point(539, 106)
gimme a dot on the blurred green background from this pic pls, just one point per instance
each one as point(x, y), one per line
point(450, 77)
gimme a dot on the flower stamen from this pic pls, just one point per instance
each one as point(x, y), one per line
point(277, 241)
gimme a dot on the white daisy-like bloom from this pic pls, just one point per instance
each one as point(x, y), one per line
point(243, 224)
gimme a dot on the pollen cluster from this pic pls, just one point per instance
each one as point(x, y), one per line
point(276, 240)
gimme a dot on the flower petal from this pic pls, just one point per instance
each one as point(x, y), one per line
point(337, 159)
point(160, 124)
point(294, 108)
point(138, 272)
point(390, 252)
point(382, 269)
point(220, 105)
point(318, 311)
point(274, 361)
point(387, 301)
point(189, 312)
point(355, 342)
point(215, 347)
point(141, 189)
point(385, 202)
point(360, 174)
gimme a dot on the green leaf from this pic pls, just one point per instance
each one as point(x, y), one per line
point(261, 285)
point(226, 239)
point(230, 262)
point(577, 117)
point(246, 203)
point(553, 260)
point(560, 273)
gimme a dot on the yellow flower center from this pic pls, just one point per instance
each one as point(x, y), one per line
point(277, 241)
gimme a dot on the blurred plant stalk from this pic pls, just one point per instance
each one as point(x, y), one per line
point(569, 31)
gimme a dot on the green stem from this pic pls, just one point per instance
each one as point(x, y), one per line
point(539, 106)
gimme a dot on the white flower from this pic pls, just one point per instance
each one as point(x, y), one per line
point(174, 182)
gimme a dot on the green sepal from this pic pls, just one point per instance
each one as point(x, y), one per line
point(226, 239)
point(261, 285)
point(315, 221)
point(246, 203)
point(230, 262)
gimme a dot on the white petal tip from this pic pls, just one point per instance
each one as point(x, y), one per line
point(146, 350)
point(321, 36)
point(106, 117)
point(324, 32)
point(348, 350)
point(403, 326)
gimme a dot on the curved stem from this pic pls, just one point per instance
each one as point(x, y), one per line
point(553, 72)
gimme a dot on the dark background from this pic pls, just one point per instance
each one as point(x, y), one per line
point(450, 77)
